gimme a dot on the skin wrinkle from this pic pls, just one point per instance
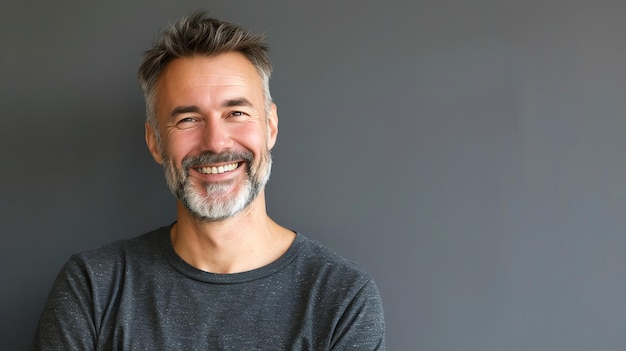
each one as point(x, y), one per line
point(236, 102)
point(212, 97)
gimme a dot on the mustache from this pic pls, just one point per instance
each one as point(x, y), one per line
point(209, 157)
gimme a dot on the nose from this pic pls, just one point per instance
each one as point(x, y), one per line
point(216, 136)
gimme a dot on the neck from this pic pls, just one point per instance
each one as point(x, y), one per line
point(248, 240)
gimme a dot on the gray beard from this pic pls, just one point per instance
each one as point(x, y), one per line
point(209, 204)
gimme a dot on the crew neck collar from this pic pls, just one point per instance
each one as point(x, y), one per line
point(217, 278)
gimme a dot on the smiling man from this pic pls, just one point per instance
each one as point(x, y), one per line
point(224, 276)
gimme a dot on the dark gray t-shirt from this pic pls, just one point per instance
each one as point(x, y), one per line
point(139, 294)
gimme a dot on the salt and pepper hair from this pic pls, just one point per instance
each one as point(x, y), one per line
point(199, 34)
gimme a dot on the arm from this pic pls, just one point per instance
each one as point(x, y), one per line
point(362, 326)
point(67, 321)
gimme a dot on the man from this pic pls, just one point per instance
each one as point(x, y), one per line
point(224, 276)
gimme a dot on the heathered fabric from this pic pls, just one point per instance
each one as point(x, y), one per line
point(139, 294)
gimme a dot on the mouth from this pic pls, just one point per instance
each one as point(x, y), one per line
point(218, 169)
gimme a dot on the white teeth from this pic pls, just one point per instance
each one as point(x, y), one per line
point(219, 170)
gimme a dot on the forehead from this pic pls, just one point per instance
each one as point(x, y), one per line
point(230, 69)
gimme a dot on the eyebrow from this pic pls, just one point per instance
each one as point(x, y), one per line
point(184, 109)
point(237, 102)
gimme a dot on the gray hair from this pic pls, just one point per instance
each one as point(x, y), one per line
point(198, 34)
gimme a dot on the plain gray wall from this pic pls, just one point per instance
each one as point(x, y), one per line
point(469, 154)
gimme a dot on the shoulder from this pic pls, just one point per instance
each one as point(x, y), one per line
point(114, 256)
point(327, 266)
point(347, 294)
point(318, 254)
point(138, 243)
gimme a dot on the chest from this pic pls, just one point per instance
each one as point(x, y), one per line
point(168, 313)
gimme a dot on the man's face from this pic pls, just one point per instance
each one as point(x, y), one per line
point(215, 134)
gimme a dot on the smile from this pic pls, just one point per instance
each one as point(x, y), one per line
point(218, 170)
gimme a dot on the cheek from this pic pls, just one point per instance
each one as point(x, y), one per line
point(177, 145)
point(252, 136)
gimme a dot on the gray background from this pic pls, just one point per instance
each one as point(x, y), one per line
point(469, 154)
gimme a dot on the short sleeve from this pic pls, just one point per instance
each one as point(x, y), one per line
point(362, 326)
point(66, 322)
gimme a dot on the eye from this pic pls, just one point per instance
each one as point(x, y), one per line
point(236, 114)
point(186, 122)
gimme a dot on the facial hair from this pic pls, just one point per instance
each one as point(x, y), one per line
point(209, 202)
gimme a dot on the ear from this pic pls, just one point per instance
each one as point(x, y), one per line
point(272, 126)
point(153, 144)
